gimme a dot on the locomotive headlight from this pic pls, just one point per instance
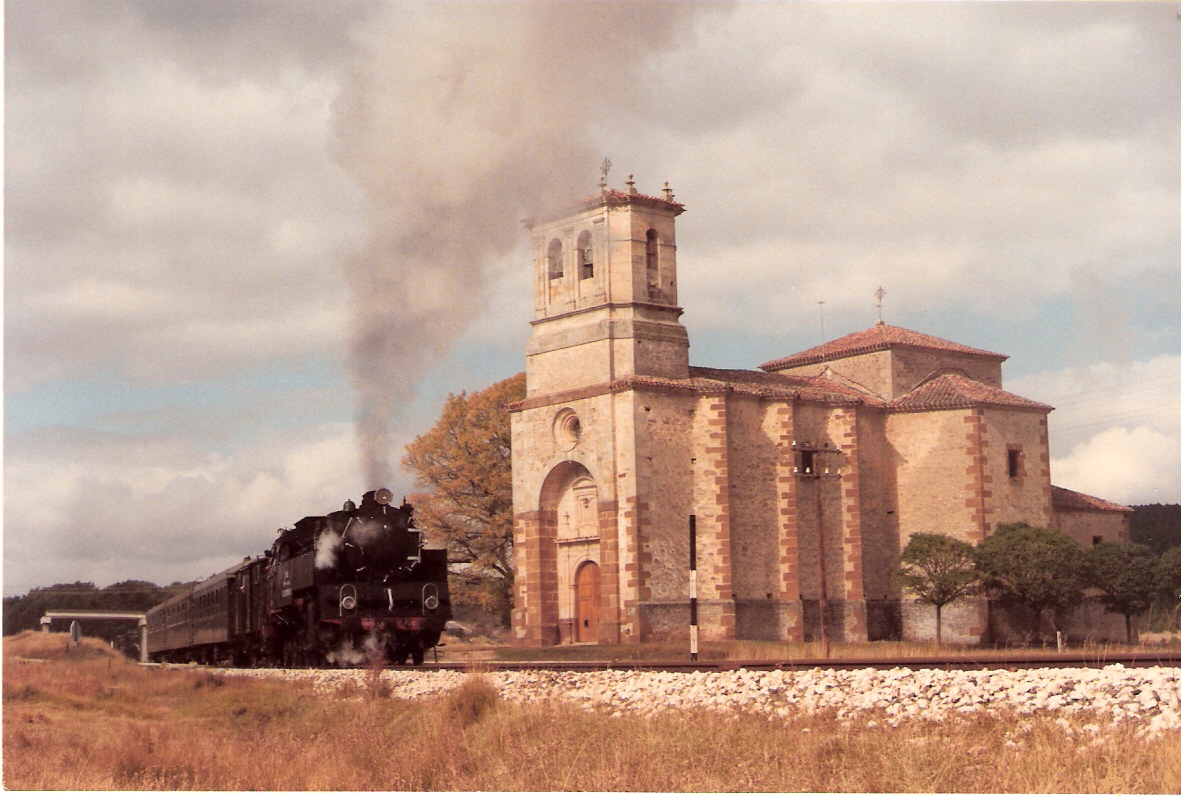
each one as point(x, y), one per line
point(431, 602)
point(383, 496)
point(348, 602)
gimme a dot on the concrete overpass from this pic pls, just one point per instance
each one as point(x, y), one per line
point(101, 615)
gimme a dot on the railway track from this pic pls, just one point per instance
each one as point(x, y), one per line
point(1169, 659)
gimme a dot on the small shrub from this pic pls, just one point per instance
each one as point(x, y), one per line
point(208, 680)
point(472, 700)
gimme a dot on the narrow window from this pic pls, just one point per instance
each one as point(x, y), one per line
point(652, 262)
point(586, 256)
point(555, 259)
point(807, 462)
point(1096, 540)
point(1014, 463)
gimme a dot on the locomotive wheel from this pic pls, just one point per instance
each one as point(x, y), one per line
point(417, 654)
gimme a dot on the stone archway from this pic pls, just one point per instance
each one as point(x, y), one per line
point(570, 537)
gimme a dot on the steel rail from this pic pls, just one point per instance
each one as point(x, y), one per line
point(1168, 659)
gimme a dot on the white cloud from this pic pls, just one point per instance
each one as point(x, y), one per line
point(1135, 465)
point(153, 192)
point(982, 157)
point(1116, 428)
point(104, 507)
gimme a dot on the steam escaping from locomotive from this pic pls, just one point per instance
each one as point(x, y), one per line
point(350, 654)
point(327, 548)
point(458, 120)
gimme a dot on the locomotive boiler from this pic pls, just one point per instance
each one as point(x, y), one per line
point(354, 586)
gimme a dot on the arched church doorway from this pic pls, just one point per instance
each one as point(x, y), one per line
point(587, 601)
point(571, 516)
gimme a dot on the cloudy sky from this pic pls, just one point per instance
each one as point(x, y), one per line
point(250, 247)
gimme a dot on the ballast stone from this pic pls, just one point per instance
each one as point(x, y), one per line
point(1149, 697)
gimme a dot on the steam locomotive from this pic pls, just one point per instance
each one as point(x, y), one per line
point(351, 587)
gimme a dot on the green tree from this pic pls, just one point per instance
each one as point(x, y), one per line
point(465, 464)
point(1034, 567)
point(1126, 575)
point(1157, 526)
point(1168, 571)
point(937, 570)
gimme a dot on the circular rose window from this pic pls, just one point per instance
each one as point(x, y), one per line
point(567, 429)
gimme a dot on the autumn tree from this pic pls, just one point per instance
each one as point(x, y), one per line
point(937, 570)
point(464, 466)
point(1037, 568)
point(1125, 575)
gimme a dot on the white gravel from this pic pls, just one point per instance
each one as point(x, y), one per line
point(1148, 698)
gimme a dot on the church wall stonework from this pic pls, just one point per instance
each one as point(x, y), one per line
point(755, 462)
point(932, 453)
point(1025, 496)
point(805, 482)
point(1089, 529)
point(893, 373)
point(879, 524)
point(912, 366)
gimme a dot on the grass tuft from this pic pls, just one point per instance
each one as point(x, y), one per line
point(472, 700)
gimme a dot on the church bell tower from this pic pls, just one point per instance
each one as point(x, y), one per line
point(605, 292)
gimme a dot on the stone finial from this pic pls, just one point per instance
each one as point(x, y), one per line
point(668, 192)
point(631, 184)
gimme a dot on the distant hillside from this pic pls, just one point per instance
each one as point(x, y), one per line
point(24, 612)
point(1157, 526)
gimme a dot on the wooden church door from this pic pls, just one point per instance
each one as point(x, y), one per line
point(586, 586)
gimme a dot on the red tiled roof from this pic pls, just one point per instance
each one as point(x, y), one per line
point(616, 197)
point(755, 383)
point(951, 391)
point(877, 338)
point(1063, 499)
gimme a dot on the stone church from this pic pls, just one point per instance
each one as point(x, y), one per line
point(805, 477)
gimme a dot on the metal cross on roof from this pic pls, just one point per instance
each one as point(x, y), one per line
point(880, 293)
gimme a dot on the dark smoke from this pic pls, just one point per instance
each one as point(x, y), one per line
point(458, 120)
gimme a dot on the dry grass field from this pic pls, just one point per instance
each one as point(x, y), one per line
point(90, 719)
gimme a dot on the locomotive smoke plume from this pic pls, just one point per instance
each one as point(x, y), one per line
point(458, 120)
